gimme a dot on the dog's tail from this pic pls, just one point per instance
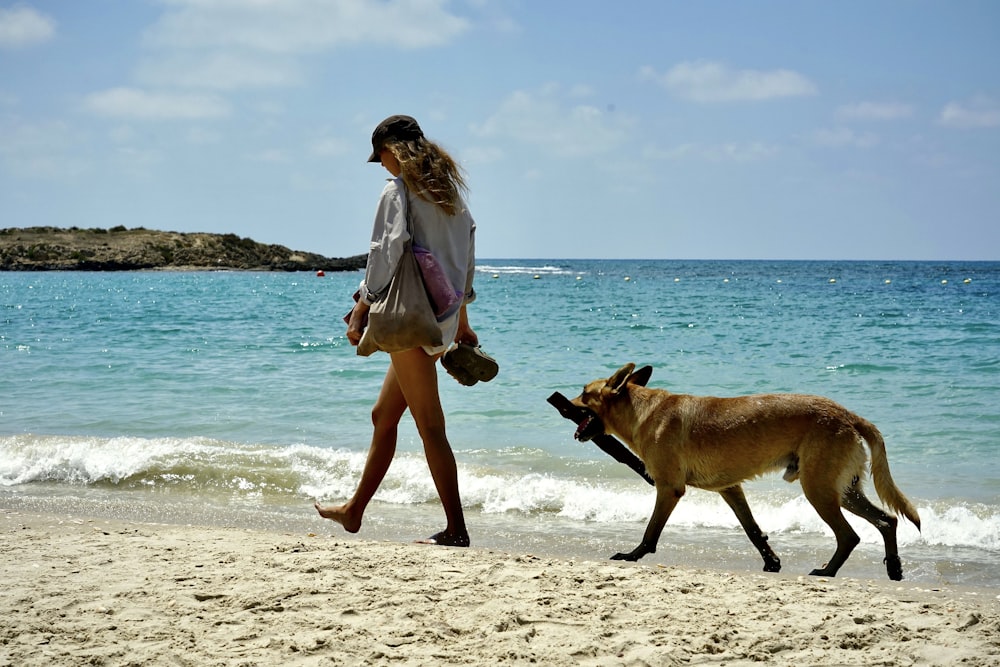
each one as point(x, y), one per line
point(885, 487)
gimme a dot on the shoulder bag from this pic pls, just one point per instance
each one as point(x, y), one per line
point(404, 318)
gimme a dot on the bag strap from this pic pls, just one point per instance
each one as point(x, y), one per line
point(409, 217)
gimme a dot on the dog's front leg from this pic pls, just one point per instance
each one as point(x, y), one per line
point(667, 496)
point(737, 500)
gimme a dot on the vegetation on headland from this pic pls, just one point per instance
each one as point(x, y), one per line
point(121, 249)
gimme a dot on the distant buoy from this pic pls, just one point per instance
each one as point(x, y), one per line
point(496, 275)
point(944, 282)
point(677, 280)
point(833, 280)
point(537, 276)
point(627, 278)
point(967, 281)
point(725, 280)
point(579, 277)
point(887, 281)
point(320, 274)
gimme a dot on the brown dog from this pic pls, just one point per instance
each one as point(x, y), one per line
point(717, 443)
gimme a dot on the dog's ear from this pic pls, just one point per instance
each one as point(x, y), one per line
point(641, 376)
point(617, 381)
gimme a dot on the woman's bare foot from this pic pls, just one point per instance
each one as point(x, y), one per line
point(444, 539)
point(341, 514)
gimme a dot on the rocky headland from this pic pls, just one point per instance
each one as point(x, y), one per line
point(121, 249)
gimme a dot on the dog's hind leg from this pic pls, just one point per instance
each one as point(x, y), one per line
point(666, 499)
point(735, 498)
point(855, 501)
point(825, 502)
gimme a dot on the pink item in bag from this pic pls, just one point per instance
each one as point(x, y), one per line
point(444, 298)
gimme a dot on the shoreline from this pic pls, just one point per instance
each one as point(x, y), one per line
point(91, 590)
point(719, 547)
point(544, 534)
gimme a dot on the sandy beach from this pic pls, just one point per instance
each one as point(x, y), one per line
point(93, 591)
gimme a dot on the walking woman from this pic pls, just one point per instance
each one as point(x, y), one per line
point(427, 182)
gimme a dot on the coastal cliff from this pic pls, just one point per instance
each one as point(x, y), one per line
point(121, 249)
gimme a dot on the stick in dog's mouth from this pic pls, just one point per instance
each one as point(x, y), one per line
point(590, 426)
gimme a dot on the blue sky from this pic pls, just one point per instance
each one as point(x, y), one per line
point(588, 129)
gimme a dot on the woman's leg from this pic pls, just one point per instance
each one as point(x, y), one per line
point(389, 408)
point(417, 376)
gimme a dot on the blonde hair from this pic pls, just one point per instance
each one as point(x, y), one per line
point(430, 172)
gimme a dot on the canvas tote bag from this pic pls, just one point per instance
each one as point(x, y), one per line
point(403, 319)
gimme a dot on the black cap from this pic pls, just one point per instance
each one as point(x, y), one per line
point(402, 128)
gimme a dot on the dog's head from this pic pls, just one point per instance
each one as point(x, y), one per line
point(599, 394)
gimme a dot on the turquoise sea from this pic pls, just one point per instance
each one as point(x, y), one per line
point(233, 398)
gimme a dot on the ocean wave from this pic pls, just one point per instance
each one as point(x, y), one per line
point(512, 481)
point(872, 369)
point(533, 270)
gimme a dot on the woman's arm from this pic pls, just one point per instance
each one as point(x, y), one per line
point(389, 236)
point(465, 333)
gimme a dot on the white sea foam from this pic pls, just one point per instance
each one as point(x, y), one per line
point(203, 464)
point(533, 270)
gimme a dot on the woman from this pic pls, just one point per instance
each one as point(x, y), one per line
point(427, 181)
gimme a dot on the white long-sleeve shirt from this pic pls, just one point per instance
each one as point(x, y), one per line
point(450, 238)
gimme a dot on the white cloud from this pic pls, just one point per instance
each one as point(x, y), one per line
point(839, 137)
point(220, 71)
point(137, 162)
point(271, 155)
point(23, 26)
point(874, 111)
point(704, 81)
point(122, 134)
point(752, 151)
point(494, 15)
point(235, 44)
point(543, 119)
point(476, 155)
point(269, 107)
point(980, 112)
point(200, 136)
point(329, 147)
point(142, 105)
point(40, 149)
point(304, 26)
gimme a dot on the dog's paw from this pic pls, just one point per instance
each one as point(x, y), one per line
point(894, 567)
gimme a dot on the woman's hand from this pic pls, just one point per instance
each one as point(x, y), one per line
point(465, 333)
point(356, 324)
